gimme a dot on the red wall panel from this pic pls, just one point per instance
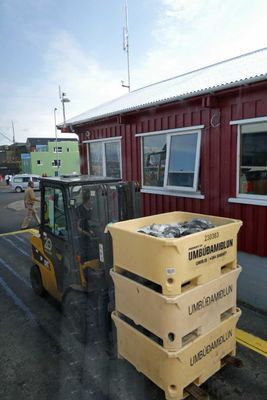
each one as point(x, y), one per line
point(218, 156)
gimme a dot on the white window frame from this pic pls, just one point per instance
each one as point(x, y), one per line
point(54, 163)
point(103, 150)
point(58, 149)
point(245, 198)
point(40, 163)
point(180, 191)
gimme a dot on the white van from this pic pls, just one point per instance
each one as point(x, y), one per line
point(20, 182)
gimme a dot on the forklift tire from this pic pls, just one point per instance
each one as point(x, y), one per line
point(74, 308)
point(36, 281)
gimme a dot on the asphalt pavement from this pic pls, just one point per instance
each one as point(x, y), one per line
point(12, 210)
point(40, 360)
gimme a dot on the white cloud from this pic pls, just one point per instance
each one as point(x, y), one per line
point(79, 74)
point(192, 34)
point(186, 35)
point(86, 82)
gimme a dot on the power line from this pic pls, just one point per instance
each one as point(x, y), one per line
point(2, 134)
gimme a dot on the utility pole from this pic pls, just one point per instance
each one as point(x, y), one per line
point(13, 131)
point(55, 123)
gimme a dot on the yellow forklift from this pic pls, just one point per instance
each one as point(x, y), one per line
point(72, 253)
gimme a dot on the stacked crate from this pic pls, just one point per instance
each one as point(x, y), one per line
point(176, 299)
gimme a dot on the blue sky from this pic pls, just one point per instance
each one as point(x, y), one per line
point(78, 45)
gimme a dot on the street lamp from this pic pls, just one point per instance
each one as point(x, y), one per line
point(55, 121)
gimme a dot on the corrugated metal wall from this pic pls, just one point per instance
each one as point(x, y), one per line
point(218, 156)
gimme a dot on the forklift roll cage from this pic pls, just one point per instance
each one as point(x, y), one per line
point(58, 248)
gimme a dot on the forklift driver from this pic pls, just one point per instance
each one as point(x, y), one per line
point(87, 238)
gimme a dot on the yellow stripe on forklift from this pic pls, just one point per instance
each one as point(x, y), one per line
point(252, 342)
point(30, 230)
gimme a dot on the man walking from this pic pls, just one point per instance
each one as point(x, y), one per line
point(29, 200)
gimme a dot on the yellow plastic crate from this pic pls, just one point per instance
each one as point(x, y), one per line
point(174, 371)
point(173, 263)
point(177, 320)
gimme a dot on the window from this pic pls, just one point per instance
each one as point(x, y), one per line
point(56, 163)
point(21, 179)
point(154, 158)
point(112, 156)
point(17, 180)
point(105, 158)
point(54, 213)
point(39, 162)
point(34, 179)
point(58, 149)
point(96, 159)
point(252, 167)
point(41, 147)
point(171, 160)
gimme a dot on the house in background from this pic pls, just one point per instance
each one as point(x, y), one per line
point(41, 144)
point(45, 157)
point(197, 143)
point(10, 158)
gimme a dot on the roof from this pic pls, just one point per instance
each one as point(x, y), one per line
point(44, 141)
point(247, 68)
point(17, 144)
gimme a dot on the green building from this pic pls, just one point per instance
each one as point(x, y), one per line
point(52, 159)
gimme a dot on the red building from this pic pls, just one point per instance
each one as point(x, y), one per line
point(196, 142)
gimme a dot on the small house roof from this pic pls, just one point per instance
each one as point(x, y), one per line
point(247, 68)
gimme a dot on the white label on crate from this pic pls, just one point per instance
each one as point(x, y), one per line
point(101, 252)
point(170, 271)
point(204, 253)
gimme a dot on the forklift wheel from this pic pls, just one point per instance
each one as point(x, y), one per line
point(74, 309)
point(36, 281)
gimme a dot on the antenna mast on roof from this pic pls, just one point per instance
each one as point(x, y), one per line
point(63, 99)
point(126, 46)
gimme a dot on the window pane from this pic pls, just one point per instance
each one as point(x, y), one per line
point(154, 157)
point(48, 210)
point(54, 212)
point(182, 160)
point(60, 219)
point(87, 221)
point(112, 151)
point(253, 158)
point(95, 159)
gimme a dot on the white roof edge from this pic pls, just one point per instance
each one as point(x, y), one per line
point(168, 100)
point(205, 67)
point(240, 70)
